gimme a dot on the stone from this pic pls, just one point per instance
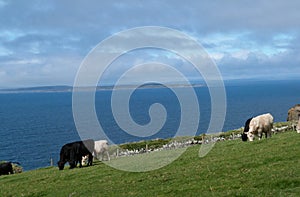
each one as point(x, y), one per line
point(294, 113)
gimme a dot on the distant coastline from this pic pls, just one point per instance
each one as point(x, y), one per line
point(49, 89)
point(66, 88)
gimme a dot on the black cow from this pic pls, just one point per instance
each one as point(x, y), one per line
point(73, 152)
point(246, 129)
point(6, 168)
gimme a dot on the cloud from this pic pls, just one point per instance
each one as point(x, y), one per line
point(38, 72)
point(283, 65)
point(156, 59)
point(241, 36)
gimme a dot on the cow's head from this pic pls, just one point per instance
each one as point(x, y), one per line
point(245, 133)
point(85, 159)
point(244, 137)
point(250, 135)
point(61, 165)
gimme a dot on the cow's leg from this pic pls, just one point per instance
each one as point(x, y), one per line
point(73, 159)
point(79, 159)
point(270, 133)
point(99, 156)
point(270, 130)
point(72, 164)
point(259, 134)
point(108, 158)
point(91, 159)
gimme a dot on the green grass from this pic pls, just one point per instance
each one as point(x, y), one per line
point(270, 167)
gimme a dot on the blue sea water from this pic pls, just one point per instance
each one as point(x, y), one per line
point(34, 126)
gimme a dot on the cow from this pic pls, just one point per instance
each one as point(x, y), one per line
point(101, 147)
point(6, 168)
point(258, 125)
point(246, 129)
point(73, 153)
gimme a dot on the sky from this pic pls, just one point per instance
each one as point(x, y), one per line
point(44, 42)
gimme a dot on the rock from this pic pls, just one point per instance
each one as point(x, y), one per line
point(294, 113)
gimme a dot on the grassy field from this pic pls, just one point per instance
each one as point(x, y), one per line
point(270, 167)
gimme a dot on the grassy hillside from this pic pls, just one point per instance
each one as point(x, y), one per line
point(270, 167)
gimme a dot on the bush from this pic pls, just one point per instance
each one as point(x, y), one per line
point(282, 124)
point(199, 137)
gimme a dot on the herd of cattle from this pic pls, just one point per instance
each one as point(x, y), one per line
point(76, 152)
point(80, 151)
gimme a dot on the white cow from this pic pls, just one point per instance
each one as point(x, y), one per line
point(260, 124)
point(101, 147)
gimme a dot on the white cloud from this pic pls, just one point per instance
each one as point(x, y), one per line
point(39, 72)
point(4, 51)
point(23, 62)
point(242, 54)
point(44, 41)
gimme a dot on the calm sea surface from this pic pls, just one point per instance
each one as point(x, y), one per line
point(34, 126)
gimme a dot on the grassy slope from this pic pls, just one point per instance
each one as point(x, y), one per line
point(270, 167)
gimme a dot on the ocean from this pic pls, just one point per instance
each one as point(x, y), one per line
point(34, 125)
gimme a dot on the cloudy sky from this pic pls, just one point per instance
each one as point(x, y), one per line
point(44, 42)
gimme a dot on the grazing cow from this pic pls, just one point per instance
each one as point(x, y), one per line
point(260, 124)
point(73, 153)
point(101, 147)
point(246, 129)
point(6, 168)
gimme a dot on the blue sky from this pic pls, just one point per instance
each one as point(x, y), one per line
point(44, 42)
